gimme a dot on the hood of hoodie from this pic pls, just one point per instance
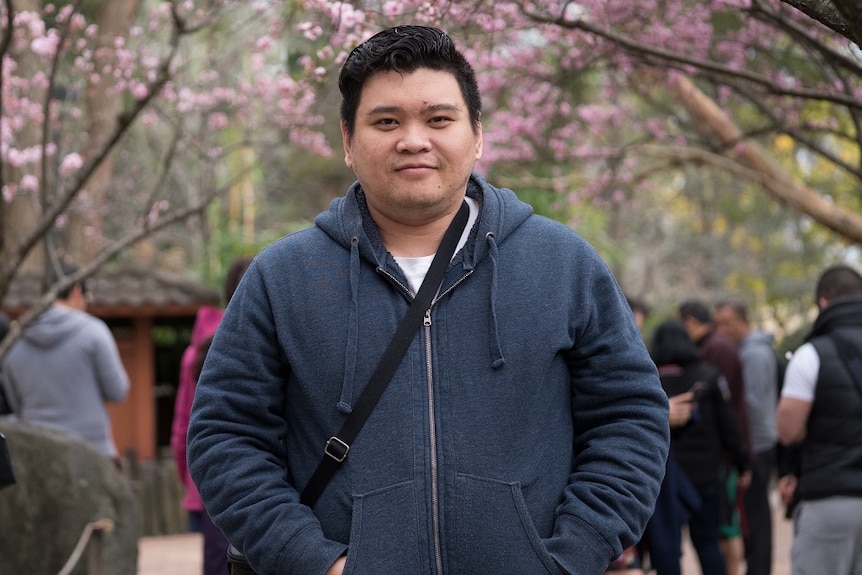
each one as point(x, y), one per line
point(206, 323)
point(844, 312)
point(758, 338)
point(349, 222)
point(56, 324)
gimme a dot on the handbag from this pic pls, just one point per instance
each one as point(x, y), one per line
point(7, 476)
point(338, 446)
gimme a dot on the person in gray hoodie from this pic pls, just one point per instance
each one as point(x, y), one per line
point(760, 380)
point(525, 431)
point(64, 368)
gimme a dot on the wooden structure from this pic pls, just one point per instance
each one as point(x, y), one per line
point(150, 314)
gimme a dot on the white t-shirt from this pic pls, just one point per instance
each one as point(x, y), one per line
point(800, 379)
point(416, 268)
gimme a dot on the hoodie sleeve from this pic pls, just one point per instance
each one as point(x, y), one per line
point(759, 374)
point(236, 454)
point(621, 429)
point(113, 379)
point(182, 409)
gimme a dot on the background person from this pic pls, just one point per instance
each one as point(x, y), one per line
point(525, 431)
point(700, 446)
point(821, 410)
point(720, 351)
point(760, 380)
point(64, 368)
point(206, 323)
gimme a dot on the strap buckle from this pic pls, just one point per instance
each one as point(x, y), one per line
point(336, 449)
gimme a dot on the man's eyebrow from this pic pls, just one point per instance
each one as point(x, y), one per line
point(382, 110)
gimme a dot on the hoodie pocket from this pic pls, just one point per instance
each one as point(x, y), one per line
point(383, 533)
point(494, 531)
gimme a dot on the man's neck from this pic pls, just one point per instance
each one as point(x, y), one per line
point(410, 240)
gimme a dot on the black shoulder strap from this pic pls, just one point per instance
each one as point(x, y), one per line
point(337, 447)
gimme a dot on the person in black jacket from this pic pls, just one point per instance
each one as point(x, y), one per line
point(821, 412)
point(699, 446)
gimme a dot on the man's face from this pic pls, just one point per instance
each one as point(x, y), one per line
point(730, 324)
point(413, 146)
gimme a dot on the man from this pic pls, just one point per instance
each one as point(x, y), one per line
point(721, 352)
point(63, 369)
point(821, 409)
point(760, 381)
point(525, 430)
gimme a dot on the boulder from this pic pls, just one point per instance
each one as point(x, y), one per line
point(62, 485)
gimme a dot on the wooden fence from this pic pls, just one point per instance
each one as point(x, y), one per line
point(159, 493)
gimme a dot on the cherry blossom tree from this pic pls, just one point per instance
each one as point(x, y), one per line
point(610, 102)
point(120, 121)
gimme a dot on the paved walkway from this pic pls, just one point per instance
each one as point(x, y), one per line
point(181, 554)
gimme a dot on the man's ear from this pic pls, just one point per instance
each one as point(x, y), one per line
point(77, 297)
point(346, 142)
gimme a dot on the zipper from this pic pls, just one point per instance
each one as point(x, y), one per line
point(432, 426)
point(432, 433)
point(432, 438)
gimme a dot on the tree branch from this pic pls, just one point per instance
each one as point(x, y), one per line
point(639, 50)
point(711, 120)
point(841, 16)
point(123, 125)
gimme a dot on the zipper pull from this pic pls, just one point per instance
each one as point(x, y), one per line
point(427, 321)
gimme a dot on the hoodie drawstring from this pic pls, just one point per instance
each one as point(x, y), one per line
point(498, 360)
point(344, 404)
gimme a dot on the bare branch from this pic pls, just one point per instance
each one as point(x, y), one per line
point(145, 230)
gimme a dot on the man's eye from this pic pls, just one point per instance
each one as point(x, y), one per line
point(386, 122)
point(440, 120)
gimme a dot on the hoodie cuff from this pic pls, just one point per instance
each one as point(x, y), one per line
point(577, 548)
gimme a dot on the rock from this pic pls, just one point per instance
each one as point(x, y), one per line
point(62, 485)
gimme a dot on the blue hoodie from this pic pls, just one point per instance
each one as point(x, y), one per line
point(526, 426)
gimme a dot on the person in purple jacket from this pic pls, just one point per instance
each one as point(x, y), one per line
point(525, 431)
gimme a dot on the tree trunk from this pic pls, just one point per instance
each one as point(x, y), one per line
point(84, 233)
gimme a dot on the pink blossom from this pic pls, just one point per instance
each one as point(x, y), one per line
point(9, 192)
point(45, 45)
point(140, 91)
point(71, 164)
point(218, 121)
point(29, 182)
point(392, 9)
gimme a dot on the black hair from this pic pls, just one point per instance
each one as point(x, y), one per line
point(837, 282)
point(672, 345)
point(59, 273)
point(694, 309)
point(738, 307)
point(234, 274)
point(405, 49)
point(638, 305)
